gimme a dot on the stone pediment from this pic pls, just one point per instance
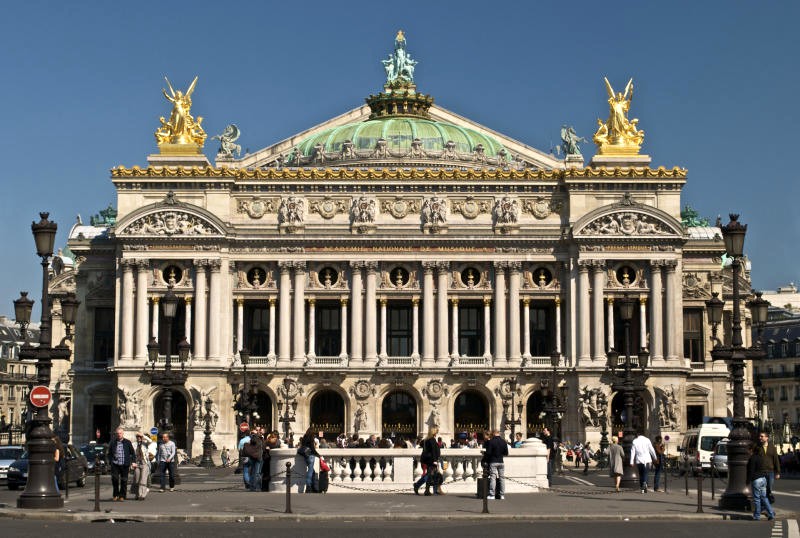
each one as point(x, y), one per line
point(628, 219)
point(170, 219)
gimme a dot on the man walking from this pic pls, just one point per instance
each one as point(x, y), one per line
point(141, 472)
point(770, 463)
point(495, 449)
point(758, 478)
point(122, 457)
point(642, 454)
point(166, 461)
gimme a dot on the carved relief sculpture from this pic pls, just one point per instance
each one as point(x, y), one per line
point(291, 211)
point(625, 223)
point(434, 211)
point(170, 223)
point(506, 211)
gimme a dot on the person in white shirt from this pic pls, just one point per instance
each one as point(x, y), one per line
point(642, 454)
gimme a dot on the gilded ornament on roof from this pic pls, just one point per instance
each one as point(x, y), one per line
point(618, 135)
point(181, 134)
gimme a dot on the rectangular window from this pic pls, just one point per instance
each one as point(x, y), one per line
point(256, 338)
point(784, 395)
point(693, 334)
point(328, 337)
point(542, 330)
point(103, 336)
point(470, 329)
point(399, 329)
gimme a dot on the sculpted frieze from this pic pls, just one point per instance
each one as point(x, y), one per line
point(328, 207)
point(400, 207)
point(471, 207)
point(257, 207)
point(292, 210)
point(170, 224)
point(541, 207)
point(506, 211)
point(694, 286)
point(625, 223)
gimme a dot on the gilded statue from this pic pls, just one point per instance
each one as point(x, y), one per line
point(618, 135)
point(181, 128)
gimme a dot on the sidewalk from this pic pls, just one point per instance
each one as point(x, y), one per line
point(219, 497)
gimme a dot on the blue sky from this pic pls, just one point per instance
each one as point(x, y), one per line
point(717, 86)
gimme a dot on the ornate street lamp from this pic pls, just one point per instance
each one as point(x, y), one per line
point(40, 490)
point(208, 444)
point(556, 398)
point(288, 417)
point(629, 383)
point(736, 494)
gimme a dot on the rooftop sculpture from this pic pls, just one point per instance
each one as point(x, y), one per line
point(618, 135)
point(181, 133)
point(399, 66)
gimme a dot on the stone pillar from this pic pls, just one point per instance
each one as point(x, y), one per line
point(214, 310)
point(670, 324)
point(299, 314)
point(598, 318)
point(271, 354)
point(443, 353)
point(513, 310)
point(677, 306)
point(415, 328)
point(487, 327)
point(142, 311)
point(384, 335)
point(312, 328)
point(370, 315)
point(357, 319)
point(584, 325)
point(343, 328)
point(500, 310)
point(428, 349)
point(656, 312)
point(154, 326)
point(558, 325)
point(610, 302)
point(239, 324)
point(199, 349)
point(643, 321)
point(285, 315)
point(126, 352)
point(454, 329)
point(187, 326)
point(526, 329)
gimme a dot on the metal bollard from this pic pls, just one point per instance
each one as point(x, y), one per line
point(66, 481)
point(686, 476)
point(485, 489)
point(700, 493)
point(288, 488)
point(666, 474)
point(711, 472)
point(97, 483)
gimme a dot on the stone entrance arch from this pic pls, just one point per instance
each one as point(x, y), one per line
point(470, 412)
point(327, 414)
point(399, 415)
point(180, 417)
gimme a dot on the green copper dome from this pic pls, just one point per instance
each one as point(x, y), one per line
point(399, 133)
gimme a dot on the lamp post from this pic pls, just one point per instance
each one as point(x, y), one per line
point(245, 406)
point(288, 417)
point(556, 397)
point(629, 383)
point(208, 445)
point(736, 494)
point(40, 490)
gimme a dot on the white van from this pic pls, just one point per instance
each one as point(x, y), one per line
point(698, 446)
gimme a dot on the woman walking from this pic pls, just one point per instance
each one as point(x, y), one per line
point(429, 461)
point(615, 456)
point(309, 450)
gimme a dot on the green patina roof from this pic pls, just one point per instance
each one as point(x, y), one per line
point(399, 132)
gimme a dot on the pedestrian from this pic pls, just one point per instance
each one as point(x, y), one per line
point(770, 462)
point(586, 456)
point(166, 461)
point(225, 456)
point(642, 454)
point(496, 448)
point(243, 461)
point(60, 460)
point(660, 462)
point(758, 479)
point(616, 456)
point(254, 450)
point(547, 439)
point(141, 473)
point(120, 451)
point(308, 450)
point(429, 460)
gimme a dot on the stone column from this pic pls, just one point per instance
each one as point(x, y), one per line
point(598, 319)
point(285, 314)
point(312, 328)
point(443, 353)
point(670, 323)
point(656, 306)
point(299, 314)
point(610, 302)
point(428, 349)
point(126, 353)
point(415, 328)
point(584, 325)
point(199, 349)
point(187, 326)
point(154, 325)
point(384, 321)
point(513, 310)
point(558, 325)
point(454, 329)
point(500, 310)
point(370, 315)
point(271, 354)
point(214, 310)
point(677, 306)
point(643, 322)
point(357, 319)
point(239, 323)
point(487, 327)
point(343, 328)
point(526, 330)
point(142, 311)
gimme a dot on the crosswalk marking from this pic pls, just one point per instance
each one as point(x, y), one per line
point(580, 481)
point(777, 530)
point(792, 529)
point(786, 493)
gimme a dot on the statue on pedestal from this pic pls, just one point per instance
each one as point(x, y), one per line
point(619, 135)
point(181, 128)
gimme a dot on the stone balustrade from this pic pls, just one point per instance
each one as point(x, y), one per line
point(390, 470)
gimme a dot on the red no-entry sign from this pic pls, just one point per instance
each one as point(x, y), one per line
point(40, 396)
point(243, 427)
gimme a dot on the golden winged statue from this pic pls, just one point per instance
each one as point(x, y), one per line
point(618, 135)
point(181, 129)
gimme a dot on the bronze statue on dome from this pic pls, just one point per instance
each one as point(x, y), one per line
point(181, 128)
point(399, 66)
point(618, 135)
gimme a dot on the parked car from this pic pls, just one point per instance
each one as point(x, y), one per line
point(8, 454)
point(720, 461)
point(92, 452)
point(77, 469)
